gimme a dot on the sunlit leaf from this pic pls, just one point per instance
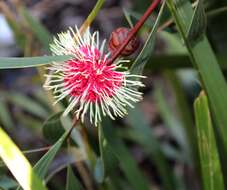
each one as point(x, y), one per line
point(209, 158)
point(18, 164)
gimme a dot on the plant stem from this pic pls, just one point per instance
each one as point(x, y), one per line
point(134, 30)
point(92, 15)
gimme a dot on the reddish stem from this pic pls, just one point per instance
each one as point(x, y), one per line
point(134, 30)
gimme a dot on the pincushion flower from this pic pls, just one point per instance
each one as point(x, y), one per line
point(92, 86)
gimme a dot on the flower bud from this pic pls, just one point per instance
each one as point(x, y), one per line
point(117, 38)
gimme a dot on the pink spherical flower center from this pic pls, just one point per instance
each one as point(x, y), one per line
point(90, 77)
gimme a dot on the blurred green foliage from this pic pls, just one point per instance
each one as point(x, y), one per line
point(175, 151)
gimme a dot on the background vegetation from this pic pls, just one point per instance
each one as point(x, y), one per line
point(174, 139)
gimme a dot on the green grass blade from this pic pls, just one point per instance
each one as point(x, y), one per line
point(206, 63)
point(24, 62)
point(72, 183)
point(127, 163)
point(209, 158)
point(18, 164)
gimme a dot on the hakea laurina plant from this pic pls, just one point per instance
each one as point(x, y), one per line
point(91, 84)
point(96, 82)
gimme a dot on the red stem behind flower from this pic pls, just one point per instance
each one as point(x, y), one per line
point(134, 30)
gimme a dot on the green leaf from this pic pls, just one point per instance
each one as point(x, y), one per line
point(198, 23)
point(72, 182)
point(205, 62)
point(37, 28)
point(52, 128)
point(209, 158)
point(24, 62)
point(127, 163)
point(93, 14)
point(145, 54)
point(41, 166)
point(18, 164)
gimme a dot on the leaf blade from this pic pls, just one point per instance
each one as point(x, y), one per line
point(24, 62)
point(16, 162)
point(204, 60)
point(41, 166)
point(145, 54)
point(209, 158)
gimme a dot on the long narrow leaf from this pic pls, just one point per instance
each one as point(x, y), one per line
point(145, 54)
point(41, 166)
point(206, 63)
point(24, 62)
point(18, 164)
point(209, 158)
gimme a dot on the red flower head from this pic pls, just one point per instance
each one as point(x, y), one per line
point(90, 84)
